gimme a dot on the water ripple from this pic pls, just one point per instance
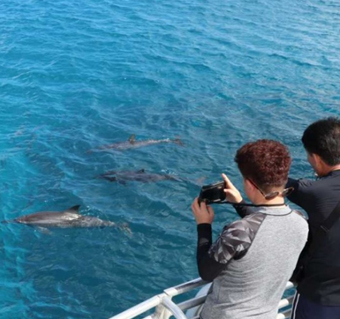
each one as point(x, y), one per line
point(76, 75)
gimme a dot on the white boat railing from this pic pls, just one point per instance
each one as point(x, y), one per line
point(164, 307)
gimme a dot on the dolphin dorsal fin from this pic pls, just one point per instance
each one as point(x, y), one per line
point(73, 209)
point(132, 139)
point(141, 171)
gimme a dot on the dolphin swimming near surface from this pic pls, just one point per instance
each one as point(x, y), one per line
point(61, 219)
point(133, 143)
point(140, 176)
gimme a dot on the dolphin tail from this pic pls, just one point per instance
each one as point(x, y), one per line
point(109, 173)
point(178, 141)
point(124, 227)
point(109, 178)
point(9, 221)
point(200, 180)
point(101, 176)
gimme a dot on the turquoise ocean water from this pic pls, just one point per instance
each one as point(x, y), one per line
point(79, 74)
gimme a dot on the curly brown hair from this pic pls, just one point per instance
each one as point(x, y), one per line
point(265, 162)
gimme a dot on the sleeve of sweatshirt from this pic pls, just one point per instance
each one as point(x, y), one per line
point(300, 194)
point(208, 267)
point(243, 210)
point(233, 242)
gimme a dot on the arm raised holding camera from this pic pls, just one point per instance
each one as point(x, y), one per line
point(232, 193)
point(210, 264)
point(204, 214)
point(234, 196)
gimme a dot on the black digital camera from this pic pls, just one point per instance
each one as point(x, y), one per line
point(213, 193)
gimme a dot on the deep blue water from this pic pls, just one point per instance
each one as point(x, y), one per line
point(79, 74)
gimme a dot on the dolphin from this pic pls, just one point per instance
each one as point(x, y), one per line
point(61, 219)
point(140, 176)
point(133, 143)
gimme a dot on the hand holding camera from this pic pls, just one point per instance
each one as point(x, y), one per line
point(203, 213)
point(214, 194)
point(220, 192)
point(232, 193)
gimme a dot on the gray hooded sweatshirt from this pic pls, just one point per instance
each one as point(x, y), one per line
point(260, 253)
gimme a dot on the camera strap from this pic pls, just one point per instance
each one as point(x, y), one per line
point(243, 204)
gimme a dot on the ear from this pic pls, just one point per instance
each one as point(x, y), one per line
point(247, 184)
point(315, 157)
point(319, 162)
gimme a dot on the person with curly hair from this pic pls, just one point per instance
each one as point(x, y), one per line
point(253, 258)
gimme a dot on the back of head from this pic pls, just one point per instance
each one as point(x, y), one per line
point(323, 138)
point(265, 162)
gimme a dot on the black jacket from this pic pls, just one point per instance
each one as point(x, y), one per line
point(321, 282)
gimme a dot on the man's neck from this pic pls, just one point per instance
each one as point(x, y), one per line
point(329, 169)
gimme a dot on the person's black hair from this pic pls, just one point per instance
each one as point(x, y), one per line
point(323, 138)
